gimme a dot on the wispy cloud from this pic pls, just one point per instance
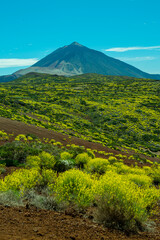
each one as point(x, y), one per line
point(136, 59)
point(16, 62)
point(125, 49)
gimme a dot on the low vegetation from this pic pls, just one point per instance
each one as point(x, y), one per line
point(54, 177)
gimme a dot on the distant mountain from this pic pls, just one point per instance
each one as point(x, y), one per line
point(76, 59)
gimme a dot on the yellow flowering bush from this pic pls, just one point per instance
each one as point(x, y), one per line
point(97, 165)
point(82, 159)
point(154, 173)
point(43, 160)
point(121, 203)
point(33, 162)
point(29, 138)
point(48, 177)
point(20, 180)
point(21, 137)
point(3, 135)
point(112, 159)
point(47, 160)
point(74, 186)
point(140, 180)
point(66, 155)
point(124, 169)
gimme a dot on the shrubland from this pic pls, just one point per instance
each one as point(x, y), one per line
point(118, 112)
point(115, 111)
point(54, 177)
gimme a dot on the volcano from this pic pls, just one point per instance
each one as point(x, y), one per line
point(76, 59)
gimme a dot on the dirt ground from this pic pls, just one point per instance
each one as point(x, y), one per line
point(21, 223)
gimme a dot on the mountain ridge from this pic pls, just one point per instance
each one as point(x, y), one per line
point(76, 59)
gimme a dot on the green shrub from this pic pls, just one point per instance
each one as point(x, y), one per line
point(64, 165)
point(15, 153)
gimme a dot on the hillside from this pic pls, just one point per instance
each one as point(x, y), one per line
point(23, 218)
point(79, 158)
point(76, 59)
point(115, 111)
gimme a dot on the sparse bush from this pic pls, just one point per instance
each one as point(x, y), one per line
point(42, 201)
point(11, 198)
point(21, 137)
point(3, 135)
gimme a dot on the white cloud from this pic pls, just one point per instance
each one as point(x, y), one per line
point(136, 59)
point(124, 49)
point(16, 62)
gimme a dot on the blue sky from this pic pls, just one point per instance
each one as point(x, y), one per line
point(125, 29)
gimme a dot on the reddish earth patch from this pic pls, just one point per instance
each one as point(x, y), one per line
point(21, 223)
